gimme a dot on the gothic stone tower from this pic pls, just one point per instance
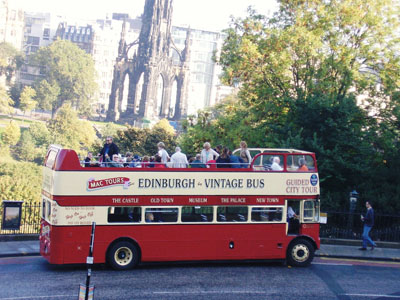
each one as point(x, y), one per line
point(157, 83)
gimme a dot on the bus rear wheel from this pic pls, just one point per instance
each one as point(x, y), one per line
point(123, 256)
point(300, 253)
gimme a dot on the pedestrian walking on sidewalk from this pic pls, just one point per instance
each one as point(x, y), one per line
point(368, 223)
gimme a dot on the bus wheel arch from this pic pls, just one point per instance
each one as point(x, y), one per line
point(300, 251)
point(123, 254)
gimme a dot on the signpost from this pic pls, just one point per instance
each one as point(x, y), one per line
point(86, 292)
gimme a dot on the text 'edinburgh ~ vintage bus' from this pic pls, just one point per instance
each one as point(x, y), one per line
point(186, 214)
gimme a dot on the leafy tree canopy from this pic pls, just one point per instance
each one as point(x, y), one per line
point(11, 134)
point(144, 141)
point(70, 132)
point(5, 101)
point(27, 101)
point(69, 76)
point(10, 60)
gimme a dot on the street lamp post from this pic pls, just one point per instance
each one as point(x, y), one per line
point(353, 201)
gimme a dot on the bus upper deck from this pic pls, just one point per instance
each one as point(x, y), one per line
point(65, 176)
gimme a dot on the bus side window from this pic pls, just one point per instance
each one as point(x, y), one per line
point(197, 214)
point(124, 214)
point(266, 214)
point(43, 208)
point(309, 210)
point(167, 214)
point(232, 214)
point(48, 214)
point(300, 163)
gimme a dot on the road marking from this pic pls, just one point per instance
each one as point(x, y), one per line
point(39, 297)
point(363, 261)
point(371, 295)
point(331, 264)
point(213, 292)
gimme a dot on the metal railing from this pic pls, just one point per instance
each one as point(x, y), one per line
point(345, 225)
point(30, 220)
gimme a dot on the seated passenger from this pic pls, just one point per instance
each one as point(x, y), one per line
point(276, 164)
point(115, 163)
point(149, 217)
point(135, 163)
point(212, 164)
point(128, 159)
point(224, 160)
point(145, 162)
point(302, 165)
point(236, 161)
point(197, 163)
point(158, 163)
point(89, 162)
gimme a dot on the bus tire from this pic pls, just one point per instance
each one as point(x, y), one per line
point(123, 256)
point(300, 253)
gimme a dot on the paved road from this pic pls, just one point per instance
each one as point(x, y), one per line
point(33, 278)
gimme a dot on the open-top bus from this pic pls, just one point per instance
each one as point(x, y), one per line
point(186, 214)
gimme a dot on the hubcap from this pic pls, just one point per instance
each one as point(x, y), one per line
point(300, 253)
point(123, 256)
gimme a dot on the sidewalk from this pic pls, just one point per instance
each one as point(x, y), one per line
point(342, 251)
point(19, 248)
point(30, 248)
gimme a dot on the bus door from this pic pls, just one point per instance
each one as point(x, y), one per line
point(309, 217)
point(293, 214)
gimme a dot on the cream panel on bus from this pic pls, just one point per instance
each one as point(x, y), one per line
point(76, 215)
point(70, 183)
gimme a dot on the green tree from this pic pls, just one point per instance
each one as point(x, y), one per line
point(69, 76)
point(20, 181)
point(5, 101)
point(70, 132)
point(41, 138)
point(11, 134)
point(10, 60)
point(109, 129)
point(40, 134)
point(144, 141)
point(26, 101)
point(26, 150)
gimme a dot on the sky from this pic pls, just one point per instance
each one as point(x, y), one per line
point(211, 15)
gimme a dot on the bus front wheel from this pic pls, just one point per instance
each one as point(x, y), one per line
point(123, 256)
point(300, 253)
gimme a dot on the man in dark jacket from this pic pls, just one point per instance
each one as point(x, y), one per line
point(368, 223)
point(109, 149)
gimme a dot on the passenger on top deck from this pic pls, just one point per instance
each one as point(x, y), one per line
point(109, 149)
point(162, 153)
point(115, 163)
point(236, 161)
point(179, 159)
point(89, 162)
point(276, 164)
point(207, 153)
point(157, 162)
point(145, 162)
point(197, 162)
point(244, 152)
point(224, 161)
point(302, 165)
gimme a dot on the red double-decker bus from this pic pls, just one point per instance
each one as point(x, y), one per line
point(269, 210)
